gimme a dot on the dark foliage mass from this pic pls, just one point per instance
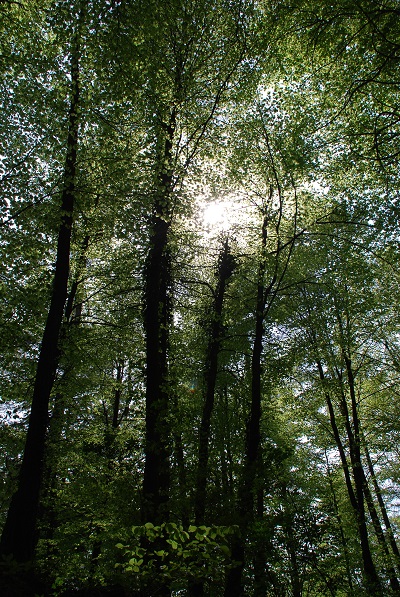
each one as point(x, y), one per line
point(198, 298)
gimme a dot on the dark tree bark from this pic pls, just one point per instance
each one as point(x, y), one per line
point(188, 39)
point(117, 397)
point(225, 269)
point(179, 453)
point(356, 492)
point(295, 577)
point(157, 319)
point(20, 531)
point(226, 460)
point(380, 535)
point(340, 523)
point(266, 294)
point(226, 266)
point(339, 443)
point(372, 581)
point(246, 493)
point(47, 516)
point(378, 493)
point(72, 308)
point(354, 435)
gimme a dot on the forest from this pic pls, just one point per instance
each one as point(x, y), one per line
point(199, 293)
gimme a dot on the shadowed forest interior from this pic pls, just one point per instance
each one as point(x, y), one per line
point(199, 298)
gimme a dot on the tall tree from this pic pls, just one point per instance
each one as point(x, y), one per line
point(19, 535)
point(183, 110)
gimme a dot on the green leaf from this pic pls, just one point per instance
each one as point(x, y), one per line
point(225, 549)
point(173, 543)
point(161, 553)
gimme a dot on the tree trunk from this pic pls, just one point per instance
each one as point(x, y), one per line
point(157, 319)
point(20, 531)
point(340, 523)
point(394, 582)
point(225, 269)
point(372, 581)
point(378, 493)
point(247, 486)
point(117, 397)
point(356, 493)
point(294, 566)
point(339, 443)
point(47, 516)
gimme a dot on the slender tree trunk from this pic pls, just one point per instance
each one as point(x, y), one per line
point(47, 516)
point(225, 269)
point(247, 486)
point(356, 493)
point(339, 444)
point(48, 512)
point(184, 507)
point(340, 523)
point(180, 463)
point(260, 559)
point(110, 434)
point(71, 305)
point(20, 531)
point(380, 535)
point(294, 565)
point(95, 555)
point(378, 493)
point(117, 397)
point(372, 581)
point(157, 319)
point(225, 447)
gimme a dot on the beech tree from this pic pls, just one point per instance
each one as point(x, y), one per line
point(18, 537)
point(194, 407)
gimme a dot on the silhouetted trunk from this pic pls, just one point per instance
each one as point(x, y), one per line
point(339, 444)
point(180, 465)
point(372, 581)
point(295, 578)
point(356, 493)
point(20, 531)
point(47, 516)
point(340, 523)
point(260, 558)
point(247, 486)
point(394, 583)
point(226, 265)
point(117, 398)
point(111, 426)
point(382, 507)
point(73, 310)
point(94, 557)
point(183, 505)
point(48, 511)
point(227, 465)
point(226, 449)
point(225, 269)
point(157, 319)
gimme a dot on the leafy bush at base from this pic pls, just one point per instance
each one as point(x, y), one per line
point(172, 556)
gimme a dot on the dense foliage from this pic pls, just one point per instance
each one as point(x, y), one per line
point(198, 404)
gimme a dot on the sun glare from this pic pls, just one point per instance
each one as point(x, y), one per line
point(230, 215)
point(219, 216)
